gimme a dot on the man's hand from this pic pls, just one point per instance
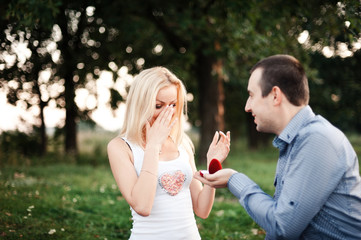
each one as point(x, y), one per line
point(218, 179)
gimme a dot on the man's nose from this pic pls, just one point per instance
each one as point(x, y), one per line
point(247, 107)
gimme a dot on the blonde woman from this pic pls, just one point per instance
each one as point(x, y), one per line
point(153, 160)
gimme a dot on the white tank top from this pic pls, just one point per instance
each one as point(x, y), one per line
point(172, 214)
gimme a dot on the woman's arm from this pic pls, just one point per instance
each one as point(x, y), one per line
point(139, 192)
point(203, 196)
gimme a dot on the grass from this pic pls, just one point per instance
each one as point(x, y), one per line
point(81, 201)
point(78, 202)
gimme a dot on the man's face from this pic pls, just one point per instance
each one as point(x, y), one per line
point(260, 107)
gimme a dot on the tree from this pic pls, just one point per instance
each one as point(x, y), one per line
point(273, 31)
point(209, 44)
point(336, 91)
point(194, 37)
point(68, 28)
point(25, 82)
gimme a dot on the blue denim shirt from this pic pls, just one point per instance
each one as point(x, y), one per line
point(318, 185)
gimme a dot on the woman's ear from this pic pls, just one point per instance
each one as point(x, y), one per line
point(277, 95)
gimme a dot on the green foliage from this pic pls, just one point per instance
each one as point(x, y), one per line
point(20, 149)
point(93, 147)
point(93, 34)
point(335, 93)
point(32, 13)
point(16, 147)
point(115, 99)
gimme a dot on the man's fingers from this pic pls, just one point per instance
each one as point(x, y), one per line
point(202, 179)
point(206, 177)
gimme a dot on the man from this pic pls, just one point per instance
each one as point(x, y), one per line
point(318, 186)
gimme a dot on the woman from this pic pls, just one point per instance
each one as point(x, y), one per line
point(153, 161)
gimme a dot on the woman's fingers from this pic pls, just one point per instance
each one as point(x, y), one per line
point(226, 139)
point(161, 127)
point(165, 116)
point(172, 123)
point(215, 138)
point(220, 146)
point(168, 115)
point(162, 124)
point(160, 117)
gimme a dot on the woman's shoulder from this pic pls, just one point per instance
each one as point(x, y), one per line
point(118, 145)
point(116, 142)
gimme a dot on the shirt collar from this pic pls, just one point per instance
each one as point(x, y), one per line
point(293, 127)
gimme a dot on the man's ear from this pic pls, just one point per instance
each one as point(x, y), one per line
point(277, 95)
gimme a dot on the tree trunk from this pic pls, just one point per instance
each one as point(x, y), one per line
point(66, 72)
point(34, 75)
point(211, 101)
point(43, 136)
point(42, 128)
point(71, 146)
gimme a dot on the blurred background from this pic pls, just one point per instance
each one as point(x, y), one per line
point(66, 66)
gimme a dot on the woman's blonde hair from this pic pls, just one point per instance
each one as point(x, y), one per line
point(141, 102)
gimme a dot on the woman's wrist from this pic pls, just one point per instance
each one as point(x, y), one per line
point(149, 172)
point(153, 148)
point(151, 158)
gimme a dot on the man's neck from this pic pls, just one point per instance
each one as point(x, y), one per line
point(288, 113)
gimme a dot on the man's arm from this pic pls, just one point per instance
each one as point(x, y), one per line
point(312, 175)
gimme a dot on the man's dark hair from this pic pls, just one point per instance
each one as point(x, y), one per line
point(287, 73)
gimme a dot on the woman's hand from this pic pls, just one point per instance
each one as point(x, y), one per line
point(219, 147)
point(161, 128)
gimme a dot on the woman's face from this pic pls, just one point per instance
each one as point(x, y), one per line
point(166, 96)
